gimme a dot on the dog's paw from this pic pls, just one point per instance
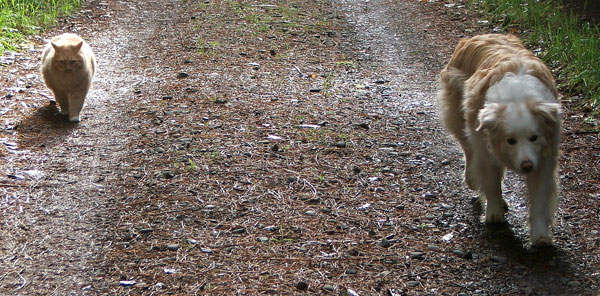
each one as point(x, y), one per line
point(539, 234)
point(541, 241)
point(74, 119)
point(494, 213)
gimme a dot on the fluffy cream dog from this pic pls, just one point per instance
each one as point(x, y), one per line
point(499, 101)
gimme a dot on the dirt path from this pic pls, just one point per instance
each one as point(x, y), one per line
point(250, 148)
point(57, 227)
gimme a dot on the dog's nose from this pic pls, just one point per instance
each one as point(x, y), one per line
point(527, 166)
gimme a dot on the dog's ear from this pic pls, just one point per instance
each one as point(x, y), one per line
point(476, 88)
point(548, 112)
point(489, 116)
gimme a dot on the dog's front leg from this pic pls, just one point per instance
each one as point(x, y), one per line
point(492, 190)
point(542, 187)
point(489, 174)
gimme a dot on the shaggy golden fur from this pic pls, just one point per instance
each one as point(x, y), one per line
point(499, 101)
point(68, 66)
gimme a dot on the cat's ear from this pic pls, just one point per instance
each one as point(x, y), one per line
point(78, 46)
point(54, 45)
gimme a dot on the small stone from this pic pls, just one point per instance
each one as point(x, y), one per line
point(356, 170)
point(385, 243)
point(340, 144)
point(263, 239)
point(325, 210)
point(499, 259)
point(448, 214)
point(380, 81)
point(351, 271)
point(302, 286)
point(310, 213)
point(167, 97)
point(364, 125)
point(270, 228)
point(412, 283)
point(429, 196)
point(433, 247)
point(126, 283)
point(220, 101)
point(238, 230)
point(573, 283)
point(315, 90)
point(145, 230)
point(168, 175)
point(182, 75)
point(446, 206)
point(328, 288)
point(416, 255)
point(173, 247)
point(445, 162)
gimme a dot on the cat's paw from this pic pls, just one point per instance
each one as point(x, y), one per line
point(64, 112)
point(74, 119)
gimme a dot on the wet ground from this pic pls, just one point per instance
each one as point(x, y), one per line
point(282, 148)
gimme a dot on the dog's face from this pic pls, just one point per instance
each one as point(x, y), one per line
point(520, 124)
point(516, 135)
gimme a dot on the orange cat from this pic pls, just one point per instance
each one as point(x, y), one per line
point(68, 66)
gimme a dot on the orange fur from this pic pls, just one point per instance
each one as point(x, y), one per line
point(68, 66)
point(488, 130)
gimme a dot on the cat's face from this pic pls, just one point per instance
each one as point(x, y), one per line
point(67, 58)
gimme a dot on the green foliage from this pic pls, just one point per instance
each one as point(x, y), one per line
point(23, 17)
point(570, 46)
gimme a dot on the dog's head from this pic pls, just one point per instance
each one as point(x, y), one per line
point(521, 119)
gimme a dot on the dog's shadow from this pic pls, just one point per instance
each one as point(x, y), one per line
point(540, 264)
point(45, 127)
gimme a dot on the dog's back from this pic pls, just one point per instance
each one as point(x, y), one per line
point(475, 65)
point(484, 52)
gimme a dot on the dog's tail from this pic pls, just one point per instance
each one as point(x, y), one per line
point(450, 101)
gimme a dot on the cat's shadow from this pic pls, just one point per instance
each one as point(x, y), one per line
point(43, 128)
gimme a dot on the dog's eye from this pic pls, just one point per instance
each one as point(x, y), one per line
point(511, 141)
point(533, 138)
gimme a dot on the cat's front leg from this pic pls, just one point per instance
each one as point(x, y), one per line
point(75, 105)
point(63, 102)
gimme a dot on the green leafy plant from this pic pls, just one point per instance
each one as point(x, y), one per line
point(19, 18)
point(565, 42)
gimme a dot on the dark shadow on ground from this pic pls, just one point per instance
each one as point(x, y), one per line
point(45, 127)
point(545, 265)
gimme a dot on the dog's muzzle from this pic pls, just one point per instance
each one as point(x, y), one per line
point(527, 166)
